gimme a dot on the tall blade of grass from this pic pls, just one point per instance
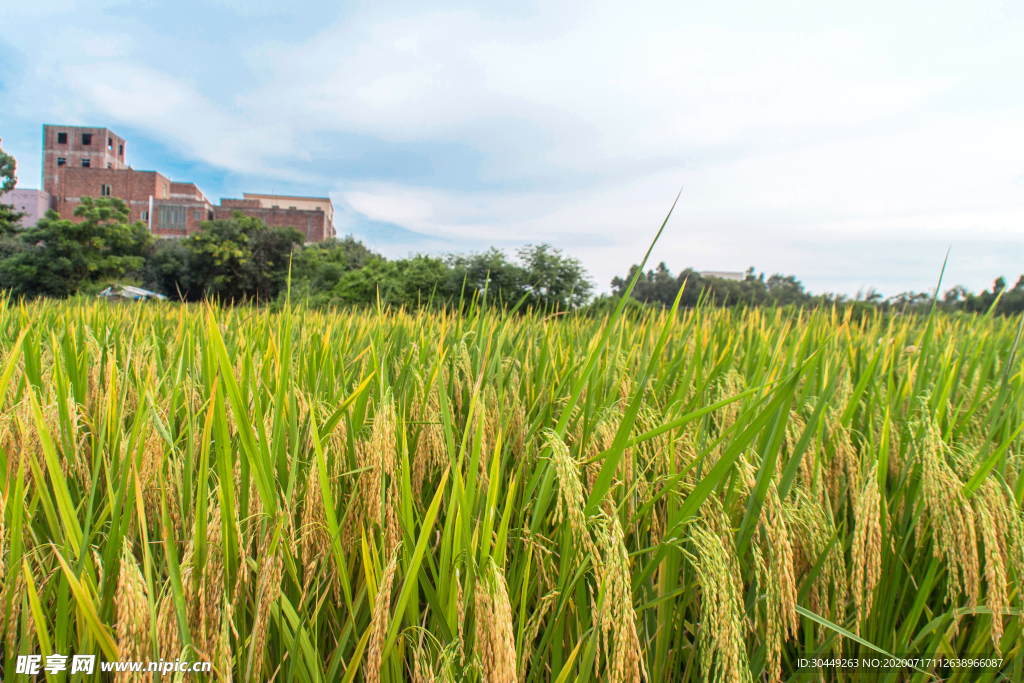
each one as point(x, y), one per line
point(174, 573)
point(595, 349)
point(65, 507)
point(89, 609)
point(39, 620)
point(611, 462)
point(254, 454)
point(410, 583)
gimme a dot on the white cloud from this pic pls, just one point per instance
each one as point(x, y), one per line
point(842, 145)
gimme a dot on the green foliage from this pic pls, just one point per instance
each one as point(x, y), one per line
point(317, 268)
point(8, 166)
point(235, 259)
point(1006, 301)
point(407, 282)
point(10, 220)
point(659, 287)
point(547, 279)
point(554, 281)
point(490, 271)
point(167, 269)
point(61, 256)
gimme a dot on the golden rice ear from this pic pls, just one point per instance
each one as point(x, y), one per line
point(722, 646)
point(866, 551)
point(132, 608)
point(949, 516)
point(1000, 528)
point(268, 590)
point(430, 447)
point(616, 618)
point(208, 589)
point(571, 503)
point(495, 642)
point(379, 621)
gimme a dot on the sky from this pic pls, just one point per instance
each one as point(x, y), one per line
point(848, 145)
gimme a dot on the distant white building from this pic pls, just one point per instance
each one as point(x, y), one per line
point(35, 203)
point(724, 275)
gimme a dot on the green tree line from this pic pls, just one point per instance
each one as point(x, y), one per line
point(241, 259)
point(658, 287)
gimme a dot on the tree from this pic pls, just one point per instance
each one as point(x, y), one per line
point(317, 268)
point(218, 256)
point(408, 282)
point(473, 274)
point(61, 255)
point(233, 259)
point(659, 287)
point(553, 281)
point(10, 244)
point(10, 220)
point(8, 166)
point(267, 269)
point(786, 290)
point(168, 269)
point(378, 278)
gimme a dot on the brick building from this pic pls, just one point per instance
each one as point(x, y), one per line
point(312, 216)
point(91, 162)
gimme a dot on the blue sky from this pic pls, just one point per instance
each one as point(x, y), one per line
point(850, 146)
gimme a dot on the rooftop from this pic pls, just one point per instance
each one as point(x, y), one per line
point(254, 195)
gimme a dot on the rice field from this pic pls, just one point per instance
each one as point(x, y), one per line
point(380, 496)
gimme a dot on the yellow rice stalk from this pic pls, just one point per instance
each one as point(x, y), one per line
point(268, 589)
point(132, 609)
point(866, 551)
point(951, 517)
point(723, 653)
point(495, 642)
point(617, 618)
point(571, 502)
point(379, 621)
point(1000, 527)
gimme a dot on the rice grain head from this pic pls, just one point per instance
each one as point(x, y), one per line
point(721, 639)
point(379, 621)
point(571, 502)
point(866, 552)
point(495, 642)
point(132, 607)
point(950, 515)
point(616, 619)
point(268, 590)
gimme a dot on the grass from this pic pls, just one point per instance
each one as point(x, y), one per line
point(382, 496)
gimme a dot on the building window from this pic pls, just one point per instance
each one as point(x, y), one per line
point(292, 208)
point(110, 144)
point(105, 190)
point(85, 163)
point(120, 150)
point(144, 216)
point(62, 138)
point(110, 165)
point(165, 190)
point(197, 215)
point(275, 206)
point(86, 138)
point(61, 161)
point(172, 217)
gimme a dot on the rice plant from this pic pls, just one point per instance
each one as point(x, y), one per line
point(383, 496)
